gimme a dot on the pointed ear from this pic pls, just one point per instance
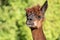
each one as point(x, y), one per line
point(44, 7)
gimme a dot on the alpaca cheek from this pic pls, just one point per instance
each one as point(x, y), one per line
point(35, 23)
point(39, 24)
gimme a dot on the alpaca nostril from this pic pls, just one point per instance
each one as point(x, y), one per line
point(30, 19)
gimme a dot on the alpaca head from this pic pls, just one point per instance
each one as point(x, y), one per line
point(35, 15)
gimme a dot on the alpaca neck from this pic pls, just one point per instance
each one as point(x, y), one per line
point(38, 34)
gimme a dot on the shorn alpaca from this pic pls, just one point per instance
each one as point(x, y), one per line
point(35, 18)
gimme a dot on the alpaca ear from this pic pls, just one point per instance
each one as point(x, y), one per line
point(44, 7)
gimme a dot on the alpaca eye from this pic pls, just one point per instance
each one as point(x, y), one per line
point(39, 16)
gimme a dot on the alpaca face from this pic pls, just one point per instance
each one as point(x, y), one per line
point(35, 16)
point(34, 20)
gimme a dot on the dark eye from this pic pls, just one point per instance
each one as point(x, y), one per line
point(39, 16)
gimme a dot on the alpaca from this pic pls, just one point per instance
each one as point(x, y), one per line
point(35, 18)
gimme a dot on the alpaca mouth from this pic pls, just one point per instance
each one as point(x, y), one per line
point(30, 25)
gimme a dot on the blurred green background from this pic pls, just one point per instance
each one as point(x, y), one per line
point(13, 20)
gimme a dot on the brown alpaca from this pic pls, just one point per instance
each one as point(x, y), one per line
point(35, 17)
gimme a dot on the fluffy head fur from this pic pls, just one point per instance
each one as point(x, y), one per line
point(35, 10)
